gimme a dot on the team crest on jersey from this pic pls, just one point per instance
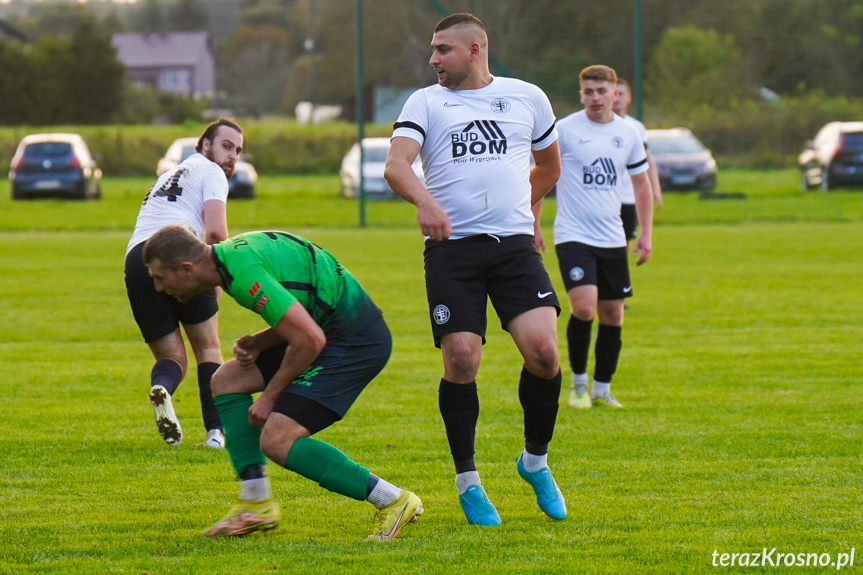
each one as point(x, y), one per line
point(617, 142)
point(479, 141)
point(440, 314)
point(500, 105)
point(576, 274)
point(600, 173)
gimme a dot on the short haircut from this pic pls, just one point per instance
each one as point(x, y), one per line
point(621, 81)
point(173, 245)
point(210, 131)
point(456, 19)
point(599, 73)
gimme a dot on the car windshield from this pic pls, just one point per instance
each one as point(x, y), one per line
point(375, 153)
point(853, 141)
point(187, 151)
point(675, 145)
point(52, 149)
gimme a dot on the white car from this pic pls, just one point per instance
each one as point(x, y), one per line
point(375, 152)
point(240, 185)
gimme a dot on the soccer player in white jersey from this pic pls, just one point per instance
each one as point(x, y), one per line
point(627, 206)
point(597, 149)
point(193, 195)
point(476, 134)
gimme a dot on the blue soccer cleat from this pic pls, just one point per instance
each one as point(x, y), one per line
point(477, 508)
point(548, 494)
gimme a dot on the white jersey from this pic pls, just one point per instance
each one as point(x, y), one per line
point(595, 159)
point(178, 197)
point(476, 147)
point(628, 195)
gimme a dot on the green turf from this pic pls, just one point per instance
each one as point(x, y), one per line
point(740, 373)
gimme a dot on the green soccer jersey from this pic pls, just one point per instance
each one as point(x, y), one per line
point(267, 272)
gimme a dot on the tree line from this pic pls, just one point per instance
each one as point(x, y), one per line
point(700, 56)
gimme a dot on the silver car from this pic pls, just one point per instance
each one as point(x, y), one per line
point(375, 152)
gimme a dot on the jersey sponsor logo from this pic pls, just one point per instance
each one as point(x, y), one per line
point(601, 173)
point(580, 141)
point(448, 105)
point(440, 314)
point(543, 295)
point(171, 189)
point(576, 274)
point(478, 138)
point(254, 289)
point(500, 105)
point(627, 289)
point(259, 305)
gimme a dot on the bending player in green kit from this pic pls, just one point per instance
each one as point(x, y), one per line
point(327, 340)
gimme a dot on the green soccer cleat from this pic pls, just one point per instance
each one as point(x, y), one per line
point(166, 420)
point(579, 397)
point(245, 517)
point(606, 400)
point(390, 520)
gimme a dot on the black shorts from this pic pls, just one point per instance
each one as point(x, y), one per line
point(461, 275)
point(630, 220)
point(324, 392)
point(605, 268)
point(156, 313)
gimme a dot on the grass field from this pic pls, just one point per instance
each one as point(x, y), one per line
point(740, 373)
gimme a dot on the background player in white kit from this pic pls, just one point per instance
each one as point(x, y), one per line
point(627, 207)
point(193, 195)
point(597, 149)
point(476, 133)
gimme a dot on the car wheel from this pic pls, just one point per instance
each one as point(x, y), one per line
point(825, 180)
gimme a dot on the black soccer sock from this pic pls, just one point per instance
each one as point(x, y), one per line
point(578, 341)
point(168, 374)
point(208, 409)
point(459, 407)
point(608, 344)
point(539, 399)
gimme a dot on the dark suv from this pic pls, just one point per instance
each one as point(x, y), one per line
point(834, 158)
point(54, 165)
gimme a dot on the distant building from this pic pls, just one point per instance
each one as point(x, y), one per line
point(177, 62)
point(10, 32)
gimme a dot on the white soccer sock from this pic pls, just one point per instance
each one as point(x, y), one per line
point(255, 489)
point(579, 378)
point(383, 494)
point(600, 388)
point(533, 463)
point(465, 480)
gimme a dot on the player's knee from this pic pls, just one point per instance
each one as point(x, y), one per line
point(224, 379)
point(542, 358)
point(275, 446)
point(460, 362)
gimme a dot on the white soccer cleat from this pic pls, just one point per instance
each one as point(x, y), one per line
point(215, 439)
point(166, 420)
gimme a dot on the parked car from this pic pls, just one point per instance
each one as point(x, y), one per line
point(52, 165)
point(375, 152)
point(834, 158)
point(240, 185)
point(683, 162)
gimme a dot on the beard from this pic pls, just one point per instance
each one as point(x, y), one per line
point(227, 168)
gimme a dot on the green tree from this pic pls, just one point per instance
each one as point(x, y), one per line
point(17, 89)
point(95, 77)
point(692, 67)
point(188, 15)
